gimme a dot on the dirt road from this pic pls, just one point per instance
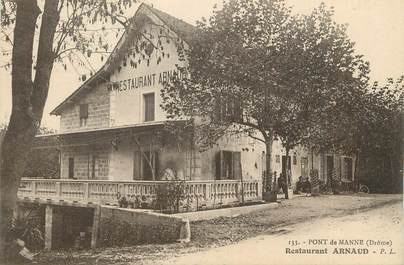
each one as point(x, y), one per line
point(371, 237)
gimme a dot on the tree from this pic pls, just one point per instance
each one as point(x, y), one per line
point(63, 30)
point(255, 68)
point(42, 162)
point(379, 147)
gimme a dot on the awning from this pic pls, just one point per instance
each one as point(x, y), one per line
point(100, 135)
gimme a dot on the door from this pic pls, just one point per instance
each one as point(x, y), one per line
point(330, 169)
point(348, 168)
point(71, 167)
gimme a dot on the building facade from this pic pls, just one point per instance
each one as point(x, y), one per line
point(112, 127)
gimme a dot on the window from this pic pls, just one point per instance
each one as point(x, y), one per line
point(145, 164)
point(228, 165)
point(294, 160)
point(148, 107)
point(83, 114)
point(277, 158)
point(149, 165)
point(227, 108)
point(71, 167)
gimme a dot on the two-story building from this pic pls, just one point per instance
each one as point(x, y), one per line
point(113, 130)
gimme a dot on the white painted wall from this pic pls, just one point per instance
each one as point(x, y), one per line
point(127, 105)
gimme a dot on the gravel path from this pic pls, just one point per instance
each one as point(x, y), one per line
point(379, 225)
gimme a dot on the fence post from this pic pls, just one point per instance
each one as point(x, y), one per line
point(58, 190)
point(86, 191)
point(33, 188)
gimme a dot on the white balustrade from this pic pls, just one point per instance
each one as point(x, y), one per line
point(210, 193)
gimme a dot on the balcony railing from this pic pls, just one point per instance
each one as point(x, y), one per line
point(209, 193)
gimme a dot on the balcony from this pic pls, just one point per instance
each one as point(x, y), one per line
point(199, 194)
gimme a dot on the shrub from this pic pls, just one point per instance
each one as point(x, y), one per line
point(30, 229)
point(170, 195)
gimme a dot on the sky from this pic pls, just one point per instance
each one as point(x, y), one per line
point(376, 26)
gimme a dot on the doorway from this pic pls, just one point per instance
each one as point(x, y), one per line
point(330, 168)
point(71, 167)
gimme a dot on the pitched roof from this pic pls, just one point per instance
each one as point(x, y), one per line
point(183, 29)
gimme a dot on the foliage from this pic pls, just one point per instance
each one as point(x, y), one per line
point(366, 122)
point(255, 68)
point(59, 29)
point(30, 229)
point(42, 163)
point(83, 28)
point(380, 137)
point(170, 195)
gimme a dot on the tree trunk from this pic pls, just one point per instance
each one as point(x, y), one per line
point(287, 174)
point(314, 178)
point(270, 191)
point(28, 100)
point(21, 128)
point(268, 164)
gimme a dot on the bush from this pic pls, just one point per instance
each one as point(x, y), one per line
point(170, 196)
point(30, 229)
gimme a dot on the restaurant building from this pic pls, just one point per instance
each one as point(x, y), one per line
point(112, 128)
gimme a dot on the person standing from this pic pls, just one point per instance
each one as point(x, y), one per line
point(282, 183)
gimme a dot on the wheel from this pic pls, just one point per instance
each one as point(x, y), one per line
point(364, 189)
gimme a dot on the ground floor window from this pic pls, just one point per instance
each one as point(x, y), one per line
point(228, 165)
point(146, 165)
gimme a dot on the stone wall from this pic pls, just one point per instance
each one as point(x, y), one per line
point(84, 157)
point(118, 226)
point(98, 111)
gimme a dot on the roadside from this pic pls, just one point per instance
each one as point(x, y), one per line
point(369, 237)
point(228, 230)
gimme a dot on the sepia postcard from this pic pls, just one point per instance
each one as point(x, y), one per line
point(201, 132)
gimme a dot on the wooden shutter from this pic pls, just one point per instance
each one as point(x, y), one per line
point(236, 165)
point(83, 111)
point(219, 165)
point(71, 167)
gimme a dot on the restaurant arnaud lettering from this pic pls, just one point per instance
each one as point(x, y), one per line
point(146, 80)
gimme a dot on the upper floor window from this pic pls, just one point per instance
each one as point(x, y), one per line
point(149, 108)
point(227, 109)
point(83, 114)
